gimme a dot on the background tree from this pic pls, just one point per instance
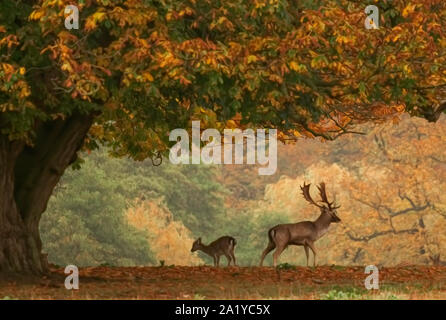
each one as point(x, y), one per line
point(170, 240)
point(94, 214)
point(85, 222)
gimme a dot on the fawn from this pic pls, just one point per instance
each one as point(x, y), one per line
point(222, 246)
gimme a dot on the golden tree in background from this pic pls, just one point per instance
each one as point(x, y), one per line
point(390, 184)
point(169, 239)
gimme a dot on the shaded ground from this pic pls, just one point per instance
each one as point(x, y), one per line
point(205, 282)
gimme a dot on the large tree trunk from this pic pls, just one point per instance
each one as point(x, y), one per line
point(28, 175)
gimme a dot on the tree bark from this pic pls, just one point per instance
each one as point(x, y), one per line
point(28, 175)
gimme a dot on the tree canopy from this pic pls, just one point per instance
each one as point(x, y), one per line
point(144, 67)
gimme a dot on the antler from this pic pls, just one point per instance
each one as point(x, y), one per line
point(323, 194)
point(334, 201)
point(306, 192)
point(324, 198)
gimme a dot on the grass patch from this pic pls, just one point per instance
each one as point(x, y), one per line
point(346, 293)
point(386, 292)
point(338, 268)
point(285, 266)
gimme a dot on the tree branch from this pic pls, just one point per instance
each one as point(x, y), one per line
point(379, 234)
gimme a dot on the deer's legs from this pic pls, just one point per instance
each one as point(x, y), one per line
point(229, 258)
point(218, 260)
point(307, 253)
point(311, 245)
point(277, 253)
point(215, 260)
point(233, 258)
point(268, 249)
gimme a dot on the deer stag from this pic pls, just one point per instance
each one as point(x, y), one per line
point(222, 246)
point(303, 233)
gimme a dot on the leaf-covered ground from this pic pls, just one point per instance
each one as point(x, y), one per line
point(205, 282)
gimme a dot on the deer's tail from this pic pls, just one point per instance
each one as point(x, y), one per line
point(271, 235)
point(233, 242)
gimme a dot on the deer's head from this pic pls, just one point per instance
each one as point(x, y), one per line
point(196, 245)
point(327, 208)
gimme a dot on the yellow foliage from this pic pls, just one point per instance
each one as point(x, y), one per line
point(169, 239)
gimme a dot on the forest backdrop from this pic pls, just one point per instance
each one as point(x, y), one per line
point(390, 183)
point(135, 70)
